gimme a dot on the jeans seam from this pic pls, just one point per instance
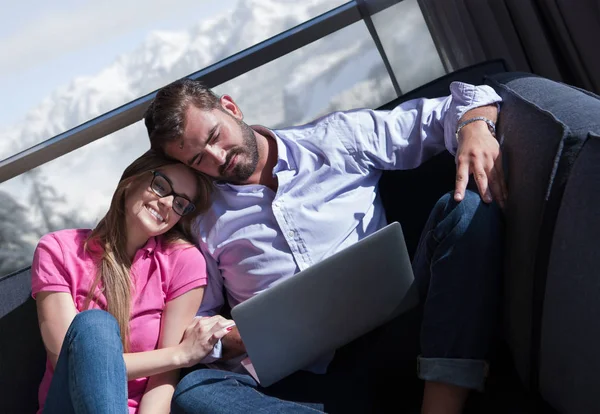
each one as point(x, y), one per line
point(293, 402)
point(73, 381)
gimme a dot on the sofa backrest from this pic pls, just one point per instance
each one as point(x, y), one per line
point(22, 354)
point(543, 125)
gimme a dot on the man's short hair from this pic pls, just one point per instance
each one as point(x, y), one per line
point(165, 117)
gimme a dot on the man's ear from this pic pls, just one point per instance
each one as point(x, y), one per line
point(229, 105)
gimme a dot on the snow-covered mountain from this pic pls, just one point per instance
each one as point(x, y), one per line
point(341, 71)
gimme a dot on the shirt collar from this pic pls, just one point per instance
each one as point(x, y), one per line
point(150, 245)
point(284, 159)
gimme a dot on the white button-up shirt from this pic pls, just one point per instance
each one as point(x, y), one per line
point(327, 199)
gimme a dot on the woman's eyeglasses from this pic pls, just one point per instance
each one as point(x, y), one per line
point(162, 187)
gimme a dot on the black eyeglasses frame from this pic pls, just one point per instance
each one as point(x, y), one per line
point(188, 209)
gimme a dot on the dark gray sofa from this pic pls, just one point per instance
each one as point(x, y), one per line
point(570, 330)
point(547, 357)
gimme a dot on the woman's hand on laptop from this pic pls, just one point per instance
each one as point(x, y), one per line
point(201, 336)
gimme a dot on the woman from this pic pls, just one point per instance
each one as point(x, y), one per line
point(116, 304)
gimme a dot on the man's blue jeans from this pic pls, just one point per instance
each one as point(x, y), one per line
point(457, 268)
point(211, 391)
point(90, 375)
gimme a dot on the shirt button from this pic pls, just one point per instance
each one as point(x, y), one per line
point(291, 233)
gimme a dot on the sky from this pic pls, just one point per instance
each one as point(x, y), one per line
point(45, 44)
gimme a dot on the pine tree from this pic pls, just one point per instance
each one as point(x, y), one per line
point(22, 225)
point(43, 200)
point(17, 235)
point(49, 206)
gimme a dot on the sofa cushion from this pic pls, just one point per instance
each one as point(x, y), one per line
point(570, 342)
point(22, 354)
point(543, 125)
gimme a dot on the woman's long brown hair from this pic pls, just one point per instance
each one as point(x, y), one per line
point(107, 242)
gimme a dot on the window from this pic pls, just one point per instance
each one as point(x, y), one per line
point(343, 70)
point(340, 71)
point(72, 61)
point(408, 45)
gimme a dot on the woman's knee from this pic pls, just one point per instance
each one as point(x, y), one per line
point(98, 325)
point(94, 319)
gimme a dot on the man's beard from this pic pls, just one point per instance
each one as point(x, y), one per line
point(247, 159)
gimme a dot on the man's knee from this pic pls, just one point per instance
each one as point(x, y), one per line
point(470, 203)
point(203, 377)
point(472, 210)
point(201, 389)
point(473, 202)
point(471, 229)
point(193, 389)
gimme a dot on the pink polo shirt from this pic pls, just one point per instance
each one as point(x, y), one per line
point(159, 273)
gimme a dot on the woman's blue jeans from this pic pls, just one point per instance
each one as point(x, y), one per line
point(90, 375)
point(457, 269)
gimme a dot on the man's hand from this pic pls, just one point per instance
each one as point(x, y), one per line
point(232, 344)
point(479, 154)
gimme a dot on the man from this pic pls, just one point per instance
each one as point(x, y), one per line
point(286, 199)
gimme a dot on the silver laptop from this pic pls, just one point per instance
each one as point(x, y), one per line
point(292, 324)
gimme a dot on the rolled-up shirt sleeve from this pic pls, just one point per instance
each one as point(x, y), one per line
point(465, 97)
point(48, 272)
point(411, 133)
point(188, 272)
